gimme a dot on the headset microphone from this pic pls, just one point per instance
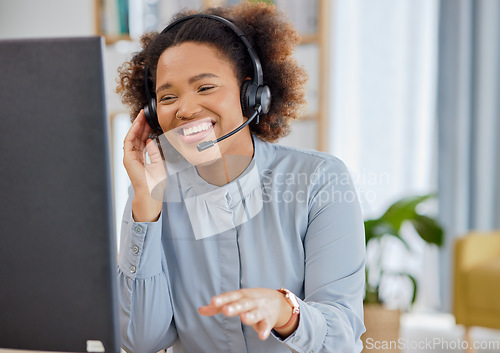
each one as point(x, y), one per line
point(207, 144)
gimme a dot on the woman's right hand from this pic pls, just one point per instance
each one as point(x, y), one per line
point(148, 180)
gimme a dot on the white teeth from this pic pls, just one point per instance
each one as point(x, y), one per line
point(196, 129)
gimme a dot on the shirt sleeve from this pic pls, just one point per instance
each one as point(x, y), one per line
point(146, 316)
point(331, 314)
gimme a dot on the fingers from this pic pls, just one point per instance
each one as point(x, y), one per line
point(134, 137)
point(263, 329)
point(256, 307)
point(144, 136)
point(153, 151)
point(225, 303)
point(209, 310)
point(147, 176)
point(252, 317)
point(133, 131)
point(257, 318)
point(239, 307)
point(226, 298)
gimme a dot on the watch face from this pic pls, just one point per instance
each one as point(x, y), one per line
point(294, 300)
point(291, 298)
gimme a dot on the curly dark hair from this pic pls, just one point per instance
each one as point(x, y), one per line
point(270, 34)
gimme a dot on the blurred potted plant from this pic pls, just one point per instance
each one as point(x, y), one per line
point(382, 324)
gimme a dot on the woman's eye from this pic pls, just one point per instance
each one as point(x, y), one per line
point(205, 88)
point(167, 99)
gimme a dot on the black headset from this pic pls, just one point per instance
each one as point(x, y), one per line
point(255, 96)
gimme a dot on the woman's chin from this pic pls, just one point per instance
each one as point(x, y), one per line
point(204, 158)
point(190, 152)
point(207, 163)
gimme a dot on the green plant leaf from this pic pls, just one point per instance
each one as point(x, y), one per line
point(377, 228)
point(371, 296)
point(403, 210)
point(389, 224)
point(369, 230)
point(415, 288)
point(428, 229)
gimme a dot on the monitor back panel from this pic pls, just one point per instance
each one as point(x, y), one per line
point(57, 264)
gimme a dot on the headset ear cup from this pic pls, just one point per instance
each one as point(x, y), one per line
point(264, 99)
point(151, 115)
point(251, 95)
point(150, 107)
point(246, 104)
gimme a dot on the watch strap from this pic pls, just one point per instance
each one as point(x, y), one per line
point(295, 307)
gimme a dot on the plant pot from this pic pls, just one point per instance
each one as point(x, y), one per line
point(382, 329)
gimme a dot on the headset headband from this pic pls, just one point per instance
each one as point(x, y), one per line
point(257, 67)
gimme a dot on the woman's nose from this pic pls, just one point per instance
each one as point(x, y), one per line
point(188, 108)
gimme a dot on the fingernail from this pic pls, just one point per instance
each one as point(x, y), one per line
point(230, 310)
point(217, 301)
point(265, 335)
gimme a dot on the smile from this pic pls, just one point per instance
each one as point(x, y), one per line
point(196, 131)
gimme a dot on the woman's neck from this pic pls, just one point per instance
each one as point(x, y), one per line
point(227, 168)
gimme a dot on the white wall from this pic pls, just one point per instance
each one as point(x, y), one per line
point(46, 18)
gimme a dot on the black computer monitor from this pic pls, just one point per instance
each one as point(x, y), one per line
point(57, 241)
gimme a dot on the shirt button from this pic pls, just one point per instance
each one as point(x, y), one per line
point(296, 339)
point(138, 229)
point(133, 269)
point(135, 249)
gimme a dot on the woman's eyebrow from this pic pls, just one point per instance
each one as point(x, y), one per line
point(162, 87)
point(191, 81)
point(201, 76)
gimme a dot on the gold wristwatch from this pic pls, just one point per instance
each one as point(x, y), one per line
point(292, 300)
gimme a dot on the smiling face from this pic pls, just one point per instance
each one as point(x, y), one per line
point(198, 84)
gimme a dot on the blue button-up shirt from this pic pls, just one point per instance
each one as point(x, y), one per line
point(291, 219)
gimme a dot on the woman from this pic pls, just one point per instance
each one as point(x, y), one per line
point(245, 246)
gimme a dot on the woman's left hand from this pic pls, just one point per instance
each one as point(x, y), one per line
point(261, 308)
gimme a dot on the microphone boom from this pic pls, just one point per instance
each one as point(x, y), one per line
point(207, 144)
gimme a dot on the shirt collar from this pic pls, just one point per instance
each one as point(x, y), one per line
point(193, 184)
